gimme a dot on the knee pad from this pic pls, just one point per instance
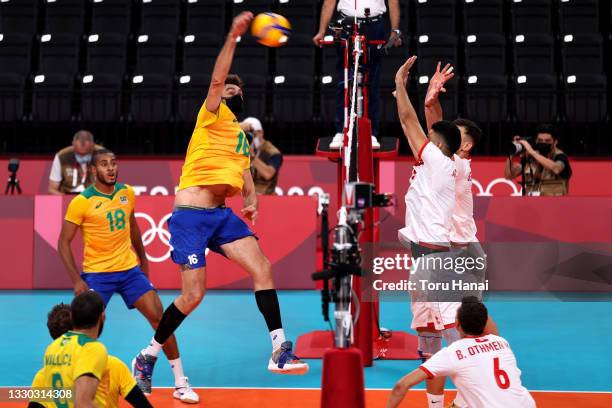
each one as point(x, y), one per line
point(451, 335)
point(429, 343)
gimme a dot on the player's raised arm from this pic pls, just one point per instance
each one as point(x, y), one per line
point(403, 385)
point(65, 250)
point(407, 115)
point(224, 60)
point(433, 108)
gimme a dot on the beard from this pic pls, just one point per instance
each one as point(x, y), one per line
point(109, 183)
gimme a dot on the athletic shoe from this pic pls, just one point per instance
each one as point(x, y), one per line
point(452, 405)
point(185, 393)
point(375, 144)
point(142, 371)
point(337, 142)
point(283, 361)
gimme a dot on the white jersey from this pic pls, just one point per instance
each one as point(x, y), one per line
point(347, 7)
point(484, 370)
point(430, 198)
point(463, 227)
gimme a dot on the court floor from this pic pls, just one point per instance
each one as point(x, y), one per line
point(562, 343)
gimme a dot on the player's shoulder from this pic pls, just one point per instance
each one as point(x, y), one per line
point(85, 342)
point(115, 364)
point(86, 194)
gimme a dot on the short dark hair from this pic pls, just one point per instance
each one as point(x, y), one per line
point(97, 153)
point(547, 128)
point(59, 320)
point(471, 128)
point(472, 316)
point(86, 310)
point(450, 133)
point(234, 80)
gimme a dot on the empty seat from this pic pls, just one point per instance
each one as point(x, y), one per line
point(585, 99)
point(155, 54)
point(302, 14)
point(150, 98)
point(250, 57)
point(18, 16)
point(579, 16)
point(534, 54)
point(52, 97)
point(254, 6)
point(582, 53)
point(192, 89)
point(110, 16)
point(297, 57)
point(101, 98)
point(205, 16)
point(448, 100)
point(106, 54)
point(486, 97)
point(15, 53)
point(533, 16)
point(483, 16)
point(59, 53)
point(65, 16)
point(200, 52)
point(160, 16)
point(293, 98)
point(432, 48)
point(436, 16)
point(11, 97)
point(390, 65)
point(536, 98)
point(485, 54)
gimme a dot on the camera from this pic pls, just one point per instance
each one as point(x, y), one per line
point(514, 147)
point(359, 196)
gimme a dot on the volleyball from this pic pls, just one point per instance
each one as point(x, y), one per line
point(270, 29)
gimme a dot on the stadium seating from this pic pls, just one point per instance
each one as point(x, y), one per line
point(58, 53)
point(160, 16)
point(65, 16)
point(432, 48)
point(485, 54)
point(302, 14)
point(52, 97)
point(151, 98)
point(533, 16)
point(436, 16)
point(579, 16)
point(584, 101)
point(15, 54)
point(536, 98)
point(155, 54)
point(11, 97)
point(483, 16)
point(19, 16)
point(449, 101)
point(255, 95)
point(582, 53)
point(486, 97)
point(251, 58)
point(106, 54)
point(205, 16)
point(200, 51)
point(110, 16)
point(192, 90)
point(100, 98)
point(534, 54)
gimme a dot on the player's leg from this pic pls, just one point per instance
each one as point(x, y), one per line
point(151, 308)
point(247, 253)
point(429, 343)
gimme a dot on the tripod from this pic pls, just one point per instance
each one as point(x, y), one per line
point(12, 184)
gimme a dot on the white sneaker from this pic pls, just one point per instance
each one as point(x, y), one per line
point(375, 144)
point(186, 394)
point(283, 361)
point(337, 142)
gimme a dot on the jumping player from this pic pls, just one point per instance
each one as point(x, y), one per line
point(483, 367)
point(217, 167)
point(113, 248)
point(117, 378)
point(76, 360)
point(429, 207)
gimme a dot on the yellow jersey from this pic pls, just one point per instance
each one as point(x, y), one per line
point(67, 358)
point(218, 151)
point(117, 380)
point(105, 223)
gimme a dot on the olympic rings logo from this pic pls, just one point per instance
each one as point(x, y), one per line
point(156, 230)
point(487, 192)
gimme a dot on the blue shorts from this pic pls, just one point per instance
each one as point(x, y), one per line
point(130, 284)
point(192, 230)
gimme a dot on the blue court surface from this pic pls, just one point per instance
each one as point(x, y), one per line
point(562, 343)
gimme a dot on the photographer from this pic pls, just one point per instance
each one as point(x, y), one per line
point(545, 168)
point(266, 159)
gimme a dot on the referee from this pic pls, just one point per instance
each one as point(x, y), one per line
point(374, 30)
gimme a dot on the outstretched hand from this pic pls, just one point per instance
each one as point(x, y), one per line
point(241, 24)
point(436, 83)
point(401, 77)
point(250, 213)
